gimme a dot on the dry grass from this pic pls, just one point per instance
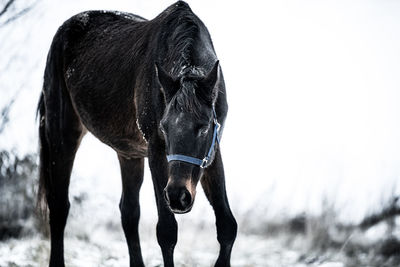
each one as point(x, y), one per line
point(321, 238)
point(18, 198)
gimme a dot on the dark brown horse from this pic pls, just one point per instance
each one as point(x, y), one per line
point(147, 89)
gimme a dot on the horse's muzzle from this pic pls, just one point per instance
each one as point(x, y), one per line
point(178, 198)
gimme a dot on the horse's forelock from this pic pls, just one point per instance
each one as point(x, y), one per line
point(187, 99)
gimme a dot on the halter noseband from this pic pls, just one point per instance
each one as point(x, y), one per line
point(203, 163)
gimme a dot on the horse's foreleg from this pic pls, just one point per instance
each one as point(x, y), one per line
point(132, 178)
point(167, 232)
point(167, 228)
point(213, 183)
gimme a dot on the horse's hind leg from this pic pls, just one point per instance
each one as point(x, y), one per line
point(60, 134)
point(213, 183)
point(132, 178)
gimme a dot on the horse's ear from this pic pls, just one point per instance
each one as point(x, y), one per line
point(207, 84)
point(169, 85)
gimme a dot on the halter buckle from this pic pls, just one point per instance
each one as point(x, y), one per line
point(217, 124)
point(204, 163)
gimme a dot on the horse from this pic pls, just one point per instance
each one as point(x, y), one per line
point(146, 88)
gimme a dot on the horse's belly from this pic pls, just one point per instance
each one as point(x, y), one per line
point(116, 128)
point(129, 146)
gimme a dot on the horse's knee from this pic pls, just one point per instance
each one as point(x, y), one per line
point(130, 210)
point(59, 210)
point(227, 231)
point(167, 232)
point(58, 205)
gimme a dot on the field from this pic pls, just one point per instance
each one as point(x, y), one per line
point(94, 236)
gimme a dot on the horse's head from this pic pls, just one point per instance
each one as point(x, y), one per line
point(188, 127)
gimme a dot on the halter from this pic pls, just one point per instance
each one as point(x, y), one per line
point(203, 163)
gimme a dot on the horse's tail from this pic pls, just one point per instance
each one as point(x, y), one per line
point(43, 151)
point(53, 84)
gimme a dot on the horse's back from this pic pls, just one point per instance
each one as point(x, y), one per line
point(88, 28)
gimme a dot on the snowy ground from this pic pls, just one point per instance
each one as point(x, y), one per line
point(198, 250)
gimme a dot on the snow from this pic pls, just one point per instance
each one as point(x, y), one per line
point(84, 18)
point(69, 72)
point(140, 130)
point(197, 251)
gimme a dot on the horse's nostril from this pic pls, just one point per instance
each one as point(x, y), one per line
point(178, 199)
point(185, 198)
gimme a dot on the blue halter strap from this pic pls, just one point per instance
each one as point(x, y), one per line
point(203, 163)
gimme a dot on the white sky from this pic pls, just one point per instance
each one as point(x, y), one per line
point(313, 88)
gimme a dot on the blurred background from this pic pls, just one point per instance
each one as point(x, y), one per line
point(311, 144)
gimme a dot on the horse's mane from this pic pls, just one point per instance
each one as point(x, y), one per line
point(181, 30)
